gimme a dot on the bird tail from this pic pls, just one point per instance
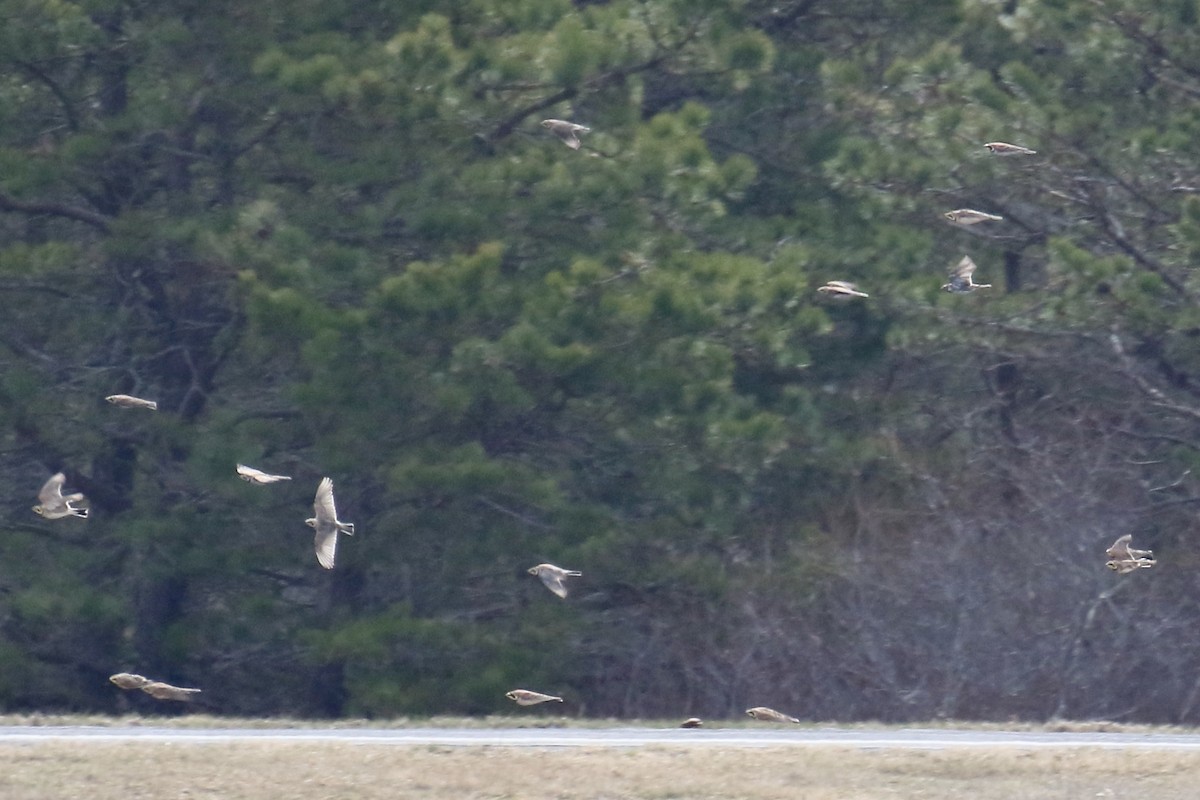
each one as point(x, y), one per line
point(983, 286)
point(346, 528)
point(80, 512)
point(574, 573)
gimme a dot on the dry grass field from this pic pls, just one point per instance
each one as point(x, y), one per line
point(299, 771)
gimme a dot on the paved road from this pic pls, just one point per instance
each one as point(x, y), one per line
point(908, 738)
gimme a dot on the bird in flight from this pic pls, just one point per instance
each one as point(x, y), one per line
point(252, 475)
point(841, 290)
point(567, 131)
point(156, 689)
point(960, 278)
point(52, 504)
point(765, 714)
point(692, 722)
point(1123, 558)
point(553, 576)
point(1006, 149)
point(969, 216)
point(524, 697)
point(129, 401)
point(326, 524)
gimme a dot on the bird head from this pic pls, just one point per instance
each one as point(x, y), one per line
point(1113, 565)
point(311, 522)
point(511, 695)
point(41, 512)
point(947, 287)
point(751, 712)
point(534, 570)
point(547, 123)
point(950, 215)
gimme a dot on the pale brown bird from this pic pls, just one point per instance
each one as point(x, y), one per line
point(127, 680)
point(128, 401)
point(960, 278)
point(156, 689)
point(1123, 558)
point(165, 691)
point(692, 722)
point(524, 697)
point(53, 504)
point(1006, 149)
point(252, 475)
point(765, 714)
point(553, 576)
point(969, 216)
point(567, 131)
point(1127, 565)
point(841, 290)
point(326, 524)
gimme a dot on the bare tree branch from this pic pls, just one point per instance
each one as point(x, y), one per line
point(1130, 371)
point(98, 221)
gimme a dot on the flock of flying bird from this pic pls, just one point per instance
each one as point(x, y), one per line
point(961, 280)
point(54, 504)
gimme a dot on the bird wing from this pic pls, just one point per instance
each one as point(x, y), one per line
point(538, 697)
point(51, 492)
point(963, 269)
point(1120, 547)
point(323, 506)
point(325, 543)
point(553, 582)
point(165, 691)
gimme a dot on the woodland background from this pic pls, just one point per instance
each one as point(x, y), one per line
point(330, 238)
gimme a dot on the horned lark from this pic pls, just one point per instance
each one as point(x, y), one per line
point(128, 401)
point(127, 680)
point(524, 697)
point(553, 576)
point(567, 131)
point(1123, 558)
point(692, 722)
point(1006, 149)
point(1123, 566)
point(841, 290)
point(156, 689)
point(165, 691)
point(969, 216)
point(252, 475)
point(765, 714)
point(960, 278)
point(326, 524)
point(54, 505)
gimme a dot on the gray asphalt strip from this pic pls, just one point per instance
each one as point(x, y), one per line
point(905, 739)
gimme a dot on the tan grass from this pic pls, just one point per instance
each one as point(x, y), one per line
point(299, 771)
